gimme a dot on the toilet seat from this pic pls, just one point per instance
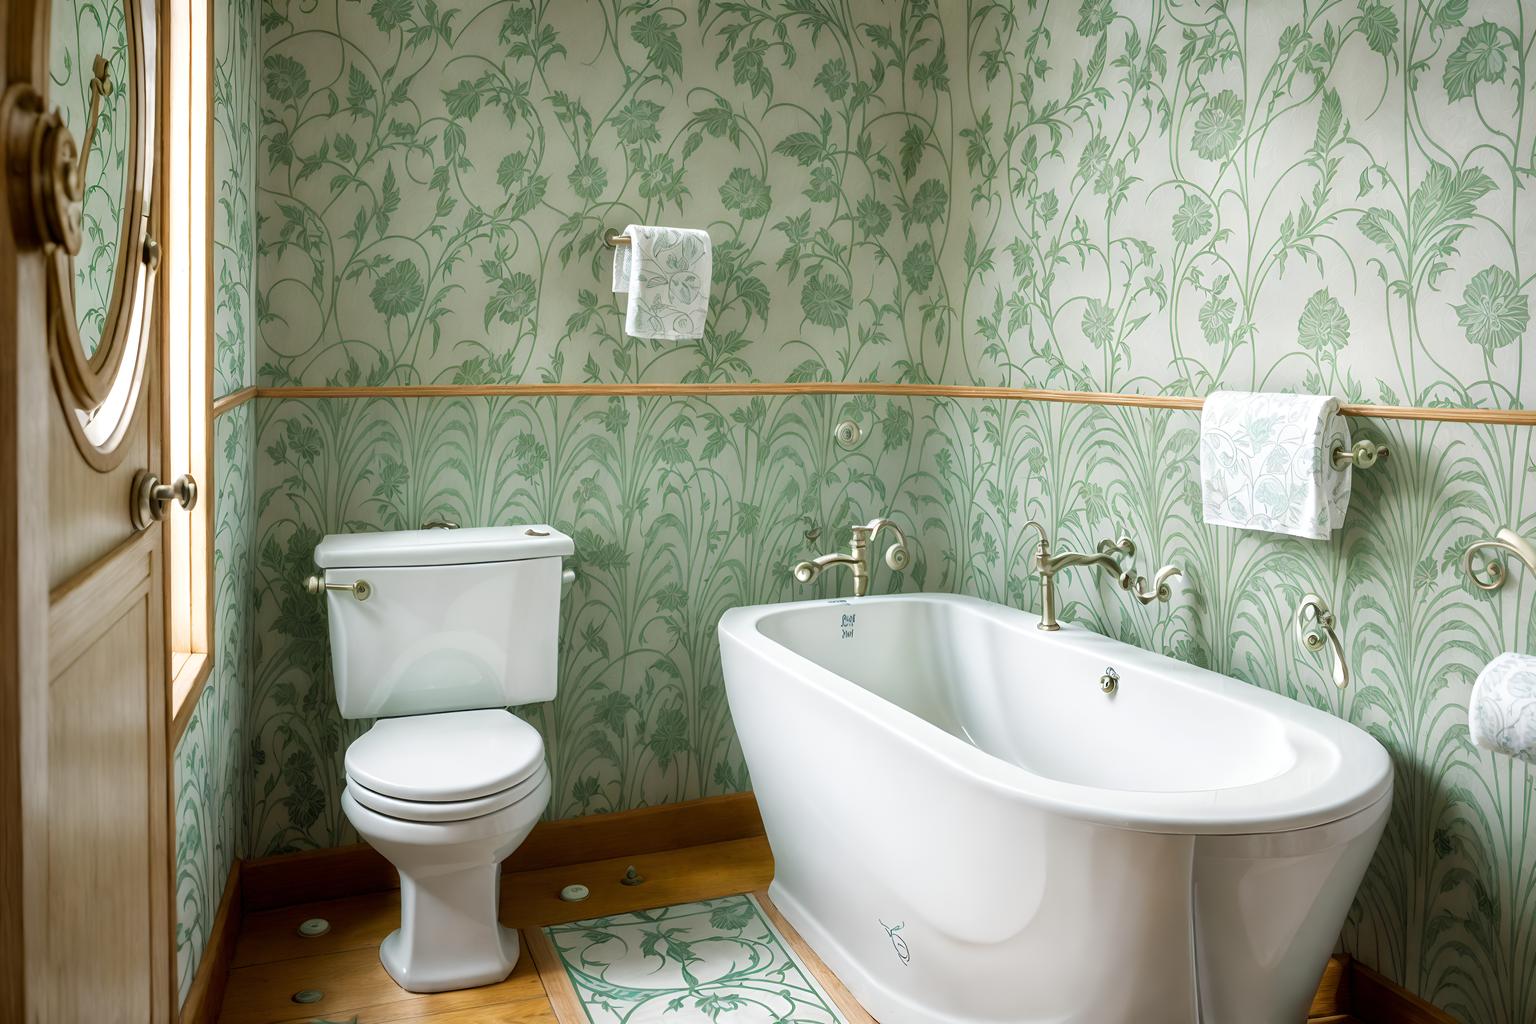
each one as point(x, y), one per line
point(446, 810)
point(454, 757)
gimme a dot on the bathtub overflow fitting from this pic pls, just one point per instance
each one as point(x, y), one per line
point(1109, 682)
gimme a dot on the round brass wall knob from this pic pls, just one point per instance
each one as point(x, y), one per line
point(151, 498)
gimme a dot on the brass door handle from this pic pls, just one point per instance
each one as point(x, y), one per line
point(151, 498)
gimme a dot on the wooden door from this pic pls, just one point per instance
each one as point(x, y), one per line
point(85, 819)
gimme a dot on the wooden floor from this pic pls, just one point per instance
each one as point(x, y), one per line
point(272, 961)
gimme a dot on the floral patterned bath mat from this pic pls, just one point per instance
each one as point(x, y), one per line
point(720, 960)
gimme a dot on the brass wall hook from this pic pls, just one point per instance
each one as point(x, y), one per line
point(1494, 572)
point(1316, 629)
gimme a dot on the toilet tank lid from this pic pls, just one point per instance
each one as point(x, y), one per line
point(442, 547)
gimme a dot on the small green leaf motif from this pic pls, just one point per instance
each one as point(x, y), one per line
point(1098, 323)
point(1192, 221)
point(1219, 126)
point(1379, 24)
point(1094, 16)
point(399, 291)
point(587, 178)
point(287, 81)
point(872, 216)
point(1324, 326)
point(389, 15)
point(825, 300)
point(833, 78)
point(1480, 57)
point(928, 204)
point(662, 46)
point(1493, 310)
point(747, 194)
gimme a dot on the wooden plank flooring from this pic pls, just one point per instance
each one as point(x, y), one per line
point(272, 961)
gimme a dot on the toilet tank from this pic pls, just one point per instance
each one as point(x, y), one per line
point(453, 619)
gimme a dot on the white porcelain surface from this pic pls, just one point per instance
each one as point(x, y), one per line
point(460, 755)
point(968, 830)
point(450, 872)
point(459, 625)
point(442, 637)
point(477, 544)
point(445, 810)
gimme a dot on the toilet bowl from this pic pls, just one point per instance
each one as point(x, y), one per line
point(434, 634)
point(448, 837)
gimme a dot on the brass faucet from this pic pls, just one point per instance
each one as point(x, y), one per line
point(896, 556)
point(1107, 558)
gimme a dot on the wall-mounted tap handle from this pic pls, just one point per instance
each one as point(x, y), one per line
point(897, 556)
point(1124, 546)
point(1160, 591)
point(1316, 629)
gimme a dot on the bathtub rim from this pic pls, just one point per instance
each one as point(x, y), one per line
point(1362, 774)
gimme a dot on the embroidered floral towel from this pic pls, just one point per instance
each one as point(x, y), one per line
point(1266, 463)
point(1503, 710)
point(666, 272)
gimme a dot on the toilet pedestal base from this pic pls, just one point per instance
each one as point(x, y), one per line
point(449, 937)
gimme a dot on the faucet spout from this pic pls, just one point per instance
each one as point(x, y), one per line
point(897, 556)
point(1108, 558)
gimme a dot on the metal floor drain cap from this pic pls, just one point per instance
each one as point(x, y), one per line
point(314, 927)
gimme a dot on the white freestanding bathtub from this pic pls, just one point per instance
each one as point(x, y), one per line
point(967, 828)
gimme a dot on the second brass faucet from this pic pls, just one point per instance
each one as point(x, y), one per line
point(1047, 565)
point(896, 556)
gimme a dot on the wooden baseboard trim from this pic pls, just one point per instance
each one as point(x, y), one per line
point(206, 996)
point(288, 879)
point(1376, 999)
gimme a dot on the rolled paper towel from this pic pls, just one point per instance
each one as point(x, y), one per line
point(1503, 710)
point(1266, 463)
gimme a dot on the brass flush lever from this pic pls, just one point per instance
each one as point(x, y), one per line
point(1315, 628)
point(361, 589)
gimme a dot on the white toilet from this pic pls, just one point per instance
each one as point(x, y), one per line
point(435, 633)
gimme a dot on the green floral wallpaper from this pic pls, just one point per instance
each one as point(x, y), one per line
point(1169, 196)
point(210, 759)
point(680, 509)
point(81, 30)
point(1148, 196)
point(209, 762)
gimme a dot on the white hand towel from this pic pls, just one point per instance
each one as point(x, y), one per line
point(1266, 463)
point(666, 272)
point(1502, 714)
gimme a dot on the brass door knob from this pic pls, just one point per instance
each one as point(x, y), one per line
point(151, 498)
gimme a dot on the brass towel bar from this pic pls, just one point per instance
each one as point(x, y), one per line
point(613, 238)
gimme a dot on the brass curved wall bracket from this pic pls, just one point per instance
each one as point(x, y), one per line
point(1494, 572)
point(1316, 629)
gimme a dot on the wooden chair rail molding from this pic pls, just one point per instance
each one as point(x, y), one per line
point(1506, 417)
point(1349, 993)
